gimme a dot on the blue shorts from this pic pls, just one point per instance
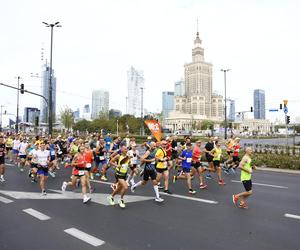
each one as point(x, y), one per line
point(15, 151)
point(42, 171)
point(100, 163)
point(186, 170)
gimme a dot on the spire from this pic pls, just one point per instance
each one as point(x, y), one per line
point(197, 29)
point(197, 40)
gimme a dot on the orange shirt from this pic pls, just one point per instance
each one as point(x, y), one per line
point(196, 153)
point(88, 156)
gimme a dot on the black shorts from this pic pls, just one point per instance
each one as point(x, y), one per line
point(2, 160)
point(132, 167)
point(196, 164)
point(217, 164)
point(174, 156)
point(235, 159)
point(161, 170)
point(8, 148)
point(209, 158)
point(149, 171)
point(33, 165)
point(247, 185)
point(123, 177)
point(23, 156)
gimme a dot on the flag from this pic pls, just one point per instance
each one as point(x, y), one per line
point(155, 128)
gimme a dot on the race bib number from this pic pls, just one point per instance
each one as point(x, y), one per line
point(81, 172)
point(175, 148)
point(52, 153)
point(124, 168)
point(88, 165)
point(153, 162)
point(189, 160)
point(134, 161)
point(101, 158)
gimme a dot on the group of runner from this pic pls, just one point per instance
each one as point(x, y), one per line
point(92, 156)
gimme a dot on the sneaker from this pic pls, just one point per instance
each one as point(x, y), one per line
point(208, 176)
point(121, 203)
point(203, 186)
point(52, 174)
point(86, 199)
point(29, 173)
point(160, 187)
point(64, 186)
point(174, 178)
point(44, 193)
point(244, 206)
point(2, 179)
point(234, 199)
point(132, 189)
point(191, 191)
point(167, 192)
point(221, 182)
point(159, 199)
point(92, 177)
point(111, 200)
point(103, 178)
point(22, 169)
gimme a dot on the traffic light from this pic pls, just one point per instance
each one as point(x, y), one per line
point(280, 106)
point(22, 88)
point(251, 109)
point(288, 119)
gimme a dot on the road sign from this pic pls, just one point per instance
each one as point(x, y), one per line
point(273, 110)
point(285, 110)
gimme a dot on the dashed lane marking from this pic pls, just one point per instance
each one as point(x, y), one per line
point(293, 216)
point(263, 184)
point(36, 214)
point(84, 237)
point(5, 200)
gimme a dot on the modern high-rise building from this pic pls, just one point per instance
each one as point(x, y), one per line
point(30, 114)
point(167, 103)
point(86, 112)
point(231, 115)
point(45, 92)
point(100, 103)
point(259, 104)
point(76, 114)
point(179, 89)
point(135, 79)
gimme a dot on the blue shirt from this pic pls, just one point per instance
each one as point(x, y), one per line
point(108, 141)
point(187, 163)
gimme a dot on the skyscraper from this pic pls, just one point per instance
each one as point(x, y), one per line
point(135, 80)
point(231, 115)
point(45, 92)
point(179, 88)
point(259, 104)
point(100, 103)
point(167, 102)
point(30, 114)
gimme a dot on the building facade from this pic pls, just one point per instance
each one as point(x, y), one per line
point(135, 85)
point(167, 103)
point(45, 92)
point(31, 114)
point(179, 89)
point(100, 103)
point(231, 116)
point(259, 104)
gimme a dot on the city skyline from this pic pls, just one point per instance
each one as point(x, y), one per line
point(88, 53)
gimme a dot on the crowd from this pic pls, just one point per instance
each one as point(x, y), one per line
point(92, 156)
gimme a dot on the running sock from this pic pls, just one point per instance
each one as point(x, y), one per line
point(137, 184)
point(156, 191)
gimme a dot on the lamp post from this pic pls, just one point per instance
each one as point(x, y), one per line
point(50, 107)
point(1, 106)
point(225, 132)
point(18, 94)
point(142, 112)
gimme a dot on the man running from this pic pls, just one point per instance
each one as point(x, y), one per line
point(196, 164)
point(209, 146)
point(217, 154)
point(246, 173)
point(2, 158)
point(134, 157)
point(149, 171)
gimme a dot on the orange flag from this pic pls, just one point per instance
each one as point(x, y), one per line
point(155, 129)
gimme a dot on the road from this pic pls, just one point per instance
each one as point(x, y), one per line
point(273, 141)
point(207, 220)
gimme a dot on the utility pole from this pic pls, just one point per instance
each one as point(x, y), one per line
point(1, 118)
point(18, 93)
point(225, 121)
point(142, 111)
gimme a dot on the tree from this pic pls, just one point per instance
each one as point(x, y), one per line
point(67, 118)
point(207, 124)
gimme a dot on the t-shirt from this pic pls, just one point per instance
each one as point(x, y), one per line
point(42, 157)
point(209, 147)
point(196, 153)
point(244, 175)
point(217, 152)
point(187, 163)
point(133, 155)
point(16, 144)
point(236, 149)
point(2, 150)
point(22, 148)
point(9, 143)
point(160, 154)
point(108, 141)
point(169, 149)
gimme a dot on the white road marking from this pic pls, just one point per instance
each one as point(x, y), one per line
point(9, 164)
point(293, 216)
point(263, 184)
point(5, 200)
point(190, 198)
point(102, 182)
point(84, 237)
point(36, 214)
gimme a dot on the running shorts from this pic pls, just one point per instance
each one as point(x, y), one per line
point(196, 164)
point(149, 171)
point(235, 159)
point(161, 170)
point(247, 185)
point(42, 171)
point(217, 163)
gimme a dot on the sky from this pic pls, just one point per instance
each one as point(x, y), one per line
point(101, 39)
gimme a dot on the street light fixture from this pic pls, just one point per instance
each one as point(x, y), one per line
point(225, 132)
point(50, 107)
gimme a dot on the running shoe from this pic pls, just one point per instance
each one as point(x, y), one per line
point(86, 199)
point(97, 175)
point(191, 191)
point(159, 186)
point(159, 199)
point(103, 178)
point(244, 205)
point(121, 203)
point(221, 182)
point(167, 192)
point(2, 179)
point(44, 193)
point(132, 189)
point(52, 174)
point(234, 199)
point(29, 173)
point(174, 178)
point(208, 176)
point(64, 186)
point(111, 200)
point(203, 186)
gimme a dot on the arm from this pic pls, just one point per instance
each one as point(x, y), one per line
point(242, 164)
point(143, 158)
point(114, 160)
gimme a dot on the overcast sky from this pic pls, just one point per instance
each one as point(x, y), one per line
point(100, 39)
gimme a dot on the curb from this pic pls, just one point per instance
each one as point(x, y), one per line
point(279, 170)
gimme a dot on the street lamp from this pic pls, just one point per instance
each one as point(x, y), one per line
point(225, 132)
point(142, 111)
point(50, 107)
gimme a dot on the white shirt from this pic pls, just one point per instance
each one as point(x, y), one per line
point(42, 157)
point(22, 148)
point(16, 144)
point(133, 159)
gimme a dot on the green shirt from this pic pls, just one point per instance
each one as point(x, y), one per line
point(74, 150)
point(244, 175)
point(217, 154)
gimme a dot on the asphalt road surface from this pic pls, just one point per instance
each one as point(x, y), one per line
point(207, 220)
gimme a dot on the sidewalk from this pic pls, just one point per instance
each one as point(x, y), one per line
point(279, 170)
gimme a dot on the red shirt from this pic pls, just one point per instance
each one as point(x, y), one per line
point(88, 156)
point(236, 149)
point(196, 154)
point(169, 150)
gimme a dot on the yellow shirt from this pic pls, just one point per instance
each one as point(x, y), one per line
point(9, 143)
point(160, 154)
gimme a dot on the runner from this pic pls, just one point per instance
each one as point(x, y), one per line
point(235, 155)
point(16, 144)
point(22, 153)
point(149, 171)
point(209, 146)
point(162, 165)
point(121, 163)
point(169, 153)
point(196, 164)
point(2, 158)
point(229, 149)
point(186, 157)
point(246, 172)
point(9, 145)
point(217, 154)
point(89, 158)
point(79, 173)
point(100, 159)
point(134, 157)
point(42, 157)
